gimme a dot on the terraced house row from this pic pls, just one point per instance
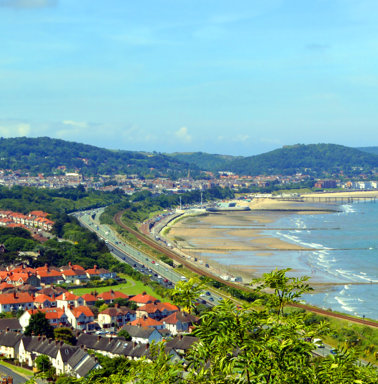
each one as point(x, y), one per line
point(47, 275)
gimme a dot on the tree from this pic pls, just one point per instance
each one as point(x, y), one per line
point(40, 326)
point(186, 293)
point(102, 308)
point(125, 334)
point(64, 334)
point(43, 363)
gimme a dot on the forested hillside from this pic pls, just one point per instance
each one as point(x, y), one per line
point(44, 155)
point(314, 158)
point(373, 150)
point(205, 161)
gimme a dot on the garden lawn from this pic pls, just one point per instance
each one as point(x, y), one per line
point(130, 288)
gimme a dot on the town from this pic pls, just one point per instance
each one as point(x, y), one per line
point(94, 318)
point(130, 184)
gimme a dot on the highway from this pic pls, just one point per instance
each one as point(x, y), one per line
point(136, 258)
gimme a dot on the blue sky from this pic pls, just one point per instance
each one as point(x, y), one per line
point(232, 77)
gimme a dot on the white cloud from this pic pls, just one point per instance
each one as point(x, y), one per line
point(76, 124)
point(183, 136)
point(9, 128)
point(241, 138)
point(28, 3)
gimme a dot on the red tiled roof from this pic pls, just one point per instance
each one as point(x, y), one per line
point(153, 307)
point(5, 285)
point(97, 271)
point(51, 313)
point(42, 298)
point(143, 298)
point(73, 272)
point(146, 322)
point(180, 316)
point(89, 297)
point(67, 296)
point(15, 298)
point(48, 273)
point(112, 295)
point(77, 311)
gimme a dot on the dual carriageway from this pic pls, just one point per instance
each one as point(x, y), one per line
point(143, 263)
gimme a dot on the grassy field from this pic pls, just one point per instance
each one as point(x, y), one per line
point(130, 288)
point(22, 371)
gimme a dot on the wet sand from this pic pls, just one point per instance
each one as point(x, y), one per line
point(221, 240)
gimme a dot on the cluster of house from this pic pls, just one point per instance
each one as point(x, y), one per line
point(152, 321)
point(46, 275)
point(74, 360)
point(34, 219)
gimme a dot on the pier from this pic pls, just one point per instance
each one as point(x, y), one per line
point(329, 199)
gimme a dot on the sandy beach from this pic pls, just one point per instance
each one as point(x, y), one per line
point(221, 240)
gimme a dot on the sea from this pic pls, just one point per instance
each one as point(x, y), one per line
point(344, 251)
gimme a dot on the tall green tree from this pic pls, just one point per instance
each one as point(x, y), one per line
point(39, 325)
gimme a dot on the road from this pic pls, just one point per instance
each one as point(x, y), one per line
point(17, 378)
point(141, 262)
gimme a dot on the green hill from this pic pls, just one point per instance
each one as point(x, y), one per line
point(205, 161)
point(373, 150)
point(314, 158)
point(44, 155)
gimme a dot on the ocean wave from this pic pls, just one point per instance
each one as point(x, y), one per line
point(346, 287)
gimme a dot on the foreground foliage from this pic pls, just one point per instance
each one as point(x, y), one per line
point(244, 345)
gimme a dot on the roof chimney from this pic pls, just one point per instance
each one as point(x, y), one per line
point(14, 295)
point(39, 337)
point(143, 293)
point(53, 296)
point(95, 267)
point(10, 380)
point(7, 329)
point(69, 263)
point(147, 346)
point(98, 338)
point(134, 344)
point(110, 339)
point(139, 324)
point(82, 346)
point(116, 305)
point(56, 342)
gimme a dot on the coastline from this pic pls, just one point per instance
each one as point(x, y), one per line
point(224, 240)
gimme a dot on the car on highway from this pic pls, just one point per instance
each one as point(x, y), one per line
point(153, 262)
point(138, 253)
point(155, 274)
point(332, 351)
point(146, 258)
point(150, 270)
point(170, 282)
point(208, 293)
point(211, 299)
point(165, 280)
point(166, 269)
point(220, 298)
point(124, 258)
